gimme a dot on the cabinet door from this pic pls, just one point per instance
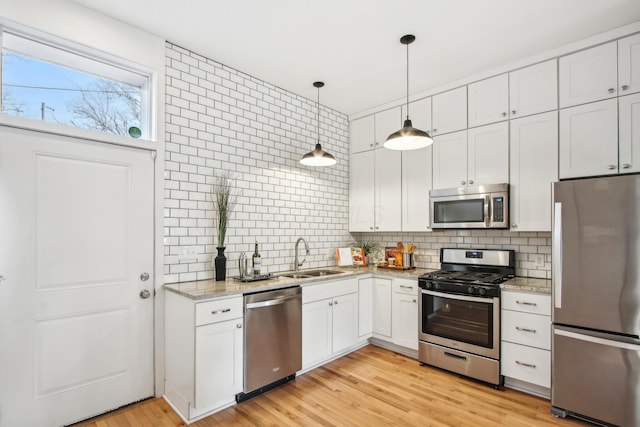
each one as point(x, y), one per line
point(629, 115)
point(533, 89)
point(365, 305)
point(317, 325)
point(449, 111)
point(345, 321)
point(362, 193)
point(589, 139)
point(405, 320)
point(450, 160)
point(589, 75)
point(382, 307)
point(629, 64)
point(362, 134)
point(387, 122)
point(219, 363)
point(489, 100)
point(534, 166)
point(488, 154)
point(419, 113)
point(416, 183)
point(388, 187)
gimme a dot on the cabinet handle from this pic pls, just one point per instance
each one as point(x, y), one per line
point(470, 181)
point(625, 87)
point(626, 166)
point(504, 114)
point(611, 167)
point(370, 228)
point(462, 182)
point(533, 331)
point(414, 301)
point(435, 130)
point(335, 302)
point(377, 228)
point(239, 326)
point(222, 310)
point(370, 145)
point(330, 302)
point(533, 304)
point(513, 111)
point(514, 225)
point(611, 90)
point(528, 365)
point(406, 287)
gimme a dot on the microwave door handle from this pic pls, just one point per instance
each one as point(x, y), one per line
point(487, 203)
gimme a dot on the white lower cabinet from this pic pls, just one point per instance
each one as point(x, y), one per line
point(365, 307)
point(203, 353)
point(382, 308)
point(329, 320)
point(526, 341)
point(405, 313)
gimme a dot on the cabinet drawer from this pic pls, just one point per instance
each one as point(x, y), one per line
point(527, 302)
point(524, 328)
point(218, 310)
point(326, 290)
point(405, 286)
point(526, 364)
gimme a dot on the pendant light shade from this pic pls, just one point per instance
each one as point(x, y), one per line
point(318, 157)
point(408, 138)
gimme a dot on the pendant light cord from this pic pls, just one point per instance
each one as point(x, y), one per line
point(407, 81)
point(318, 115)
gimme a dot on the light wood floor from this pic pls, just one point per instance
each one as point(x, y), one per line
point(370, 387)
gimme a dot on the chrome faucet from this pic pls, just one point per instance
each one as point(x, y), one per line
point(297, 264)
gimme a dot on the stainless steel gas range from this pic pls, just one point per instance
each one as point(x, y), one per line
point(459, 310)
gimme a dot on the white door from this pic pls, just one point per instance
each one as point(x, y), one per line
point(488, 154)
point(76, 220)
point(382, 307)
point(629, 64)
point(450, 160)
point(629, 119)
point(362, 192)
point(449, 111)
point(345, 322)
point(489, 100)
point(388, 188)
point(416, 184)
point(533, 89)
point(405, 320)
point(387, 122)
point(317, 326)
point(362, 134)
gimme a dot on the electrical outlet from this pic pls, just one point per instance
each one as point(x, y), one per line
point(539, 260)
point(188, 253)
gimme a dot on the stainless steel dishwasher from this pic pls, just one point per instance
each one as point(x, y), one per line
point(272, 339)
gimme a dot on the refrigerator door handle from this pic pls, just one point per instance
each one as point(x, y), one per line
point(556, 264)
point(597, 340)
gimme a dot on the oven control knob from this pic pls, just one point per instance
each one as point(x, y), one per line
point(428, 285)
point(436, 285)
point(471, 290)
point(482, 291)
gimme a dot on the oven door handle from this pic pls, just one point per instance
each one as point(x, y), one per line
point(486, 300)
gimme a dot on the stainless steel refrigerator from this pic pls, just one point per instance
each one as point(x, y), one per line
point(596, 297)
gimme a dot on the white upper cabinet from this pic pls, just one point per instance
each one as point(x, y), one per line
point(388, 187)
point(387, 122)
point(417, 172)
point(362, 134)
point(450, 160)
point(361, 192)
point(589, 139)
point(534, 166)
point(629, 64)
point(489, 101)
point(629, 145)
point(416, 184)
point(589, 75)
point(533, 89)
point(488, 154)
point(449, 111)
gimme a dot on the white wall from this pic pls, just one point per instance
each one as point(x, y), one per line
point(220, 119)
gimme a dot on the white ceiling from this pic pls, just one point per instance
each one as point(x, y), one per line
point(353, 45)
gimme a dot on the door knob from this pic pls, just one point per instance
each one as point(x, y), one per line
point(144, 294)
point(144, 277)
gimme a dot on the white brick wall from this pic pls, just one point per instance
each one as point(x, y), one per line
point(526, 245)
point(220, 119)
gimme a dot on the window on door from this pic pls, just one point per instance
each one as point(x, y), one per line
point(49, 83)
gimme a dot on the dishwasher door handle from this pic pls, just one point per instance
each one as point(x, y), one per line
point(271, 302)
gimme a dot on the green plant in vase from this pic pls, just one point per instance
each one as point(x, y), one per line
point(224, 199)
point(369, 248)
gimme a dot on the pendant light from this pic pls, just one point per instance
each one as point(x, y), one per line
point(408, 138)
point(318, 157)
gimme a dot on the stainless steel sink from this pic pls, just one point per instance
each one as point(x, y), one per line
point(311, 273)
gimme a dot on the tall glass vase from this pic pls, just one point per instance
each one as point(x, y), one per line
point(220, 263)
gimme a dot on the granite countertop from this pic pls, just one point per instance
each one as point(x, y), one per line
point(203, 289)
point(528, 284)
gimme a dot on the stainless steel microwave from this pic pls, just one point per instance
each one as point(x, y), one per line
point(479, 206)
